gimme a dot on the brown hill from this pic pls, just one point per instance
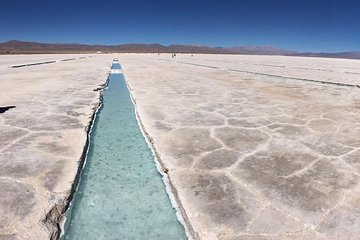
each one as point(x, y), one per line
point(17, 47)
point(21, 47)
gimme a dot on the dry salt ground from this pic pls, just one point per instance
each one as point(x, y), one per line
point(255, 147)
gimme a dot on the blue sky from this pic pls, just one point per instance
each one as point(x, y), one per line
point(303, 25)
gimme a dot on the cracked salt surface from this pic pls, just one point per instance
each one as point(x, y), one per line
point(255, 156)
point(43, 137)
point(121, 194)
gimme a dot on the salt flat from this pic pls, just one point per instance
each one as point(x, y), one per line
point(252, 149)
point(42, 139)
point(255, 147)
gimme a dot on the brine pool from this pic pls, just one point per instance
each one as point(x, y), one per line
point(121, 194)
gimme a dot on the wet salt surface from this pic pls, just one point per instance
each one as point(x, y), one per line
point(121, 194)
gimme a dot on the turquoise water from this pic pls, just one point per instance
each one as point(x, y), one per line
point(116, 66)
point(121, 194)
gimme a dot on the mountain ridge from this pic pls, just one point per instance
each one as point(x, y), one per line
point(25, 47)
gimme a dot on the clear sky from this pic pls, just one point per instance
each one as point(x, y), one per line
point(303, 25)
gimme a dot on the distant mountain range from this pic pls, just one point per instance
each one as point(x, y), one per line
point(21, 47)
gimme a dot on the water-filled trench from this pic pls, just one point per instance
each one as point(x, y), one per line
point(121, 194)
